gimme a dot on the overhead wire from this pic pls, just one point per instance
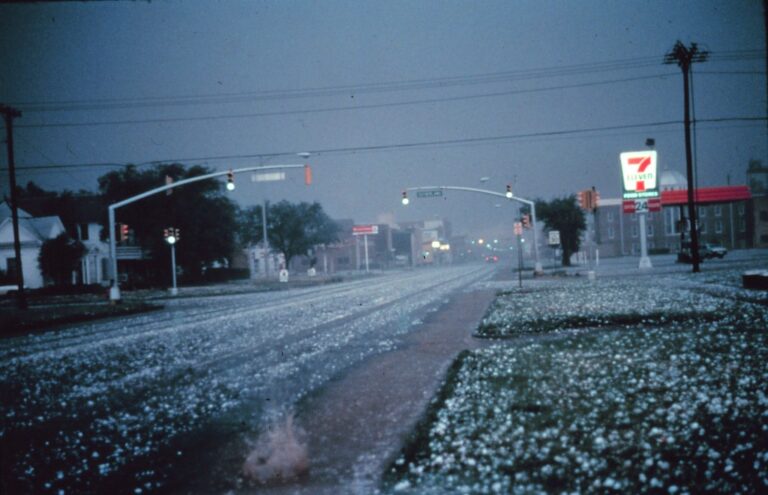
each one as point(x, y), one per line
point(399, 146)
point(348, 107)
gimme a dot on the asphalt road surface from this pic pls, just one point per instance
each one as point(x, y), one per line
point(134, 404)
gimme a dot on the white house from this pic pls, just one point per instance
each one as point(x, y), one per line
point(33, 231)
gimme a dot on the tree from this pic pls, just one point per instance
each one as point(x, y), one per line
point(294, 229)
point(205, 217)
point(59, 257)
point(564, 215)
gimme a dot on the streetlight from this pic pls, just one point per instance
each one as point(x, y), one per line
point(171, 235)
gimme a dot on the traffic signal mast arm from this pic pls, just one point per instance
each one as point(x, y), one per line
point(508, 196)
point(167, 187)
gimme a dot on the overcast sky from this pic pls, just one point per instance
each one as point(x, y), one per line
point(385, 95)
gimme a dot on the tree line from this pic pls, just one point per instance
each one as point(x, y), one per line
point(212, 226)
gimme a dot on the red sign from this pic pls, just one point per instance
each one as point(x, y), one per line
point(365, 229)
point(641, 205)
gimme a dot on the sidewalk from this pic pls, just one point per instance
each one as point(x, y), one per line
point(356, 425)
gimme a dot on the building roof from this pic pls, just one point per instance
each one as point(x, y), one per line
point(5, 212)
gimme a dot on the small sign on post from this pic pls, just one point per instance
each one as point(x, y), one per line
point(554, 238)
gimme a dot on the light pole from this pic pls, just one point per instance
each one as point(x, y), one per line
point(171, 236)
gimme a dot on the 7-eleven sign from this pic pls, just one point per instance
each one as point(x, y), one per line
point(639, 170)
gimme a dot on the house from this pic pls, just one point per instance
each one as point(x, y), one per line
point(33, 232)
point(81, 216)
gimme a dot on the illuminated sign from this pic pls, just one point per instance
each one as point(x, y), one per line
point(639, 170)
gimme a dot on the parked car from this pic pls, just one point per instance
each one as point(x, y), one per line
point(713, 251)
point(706, 251)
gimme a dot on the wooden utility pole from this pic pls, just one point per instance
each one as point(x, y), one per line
point(684, 56)
point(9, 114)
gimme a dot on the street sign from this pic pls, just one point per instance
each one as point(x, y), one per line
point(365, 229)
point(518, 228)
point(638, 169)
point(268, 177)
point(641, 205)
point(554, 238)
point(431, 193)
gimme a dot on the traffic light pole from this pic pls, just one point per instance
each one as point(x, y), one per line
point(114, 291)
point(537, 268)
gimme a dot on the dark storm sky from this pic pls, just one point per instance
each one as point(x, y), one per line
point(385, 94)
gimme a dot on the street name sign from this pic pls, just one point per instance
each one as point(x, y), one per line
point(431, 193)
point(267, 176)
point(365, 229)
point(639, 171)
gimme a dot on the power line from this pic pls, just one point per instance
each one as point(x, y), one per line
point(90, 104)
point(397, 146)
point(348, 107)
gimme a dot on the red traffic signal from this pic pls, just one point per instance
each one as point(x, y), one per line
point(123, 232)
point(307, 175)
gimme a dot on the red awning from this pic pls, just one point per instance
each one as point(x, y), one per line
point(724, 194)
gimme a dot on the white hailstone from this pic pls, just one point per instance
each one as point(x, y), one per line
point(402, 486)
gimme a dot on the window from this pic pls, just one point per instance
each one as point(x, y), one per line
point(649, 230)
point(671, 221)
point(719, 227)
point(742, 225)
point(611, 232)
point(763, 216)
point(702, 212)
point(703, 227)
point(634, 231)
point(11, 265)
point(718, 211)
point(609, 216)
point(741, 209)
point(83, 231)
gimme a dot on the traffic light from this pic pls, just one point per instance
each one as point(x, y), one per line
point(595, 199)
point(177, 234)
point(166, 233)
point(586, 199)
point(123, 232)
point(405, 198)
point(230, 180)
point(307, 175)
point(526, 221)
point(509, 191)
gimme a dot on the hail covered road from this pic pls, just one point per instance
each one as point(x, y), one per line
point(120, 404)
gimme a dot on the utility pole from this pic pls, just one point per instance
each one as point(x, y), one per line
point(9, 114)
point(684, 57)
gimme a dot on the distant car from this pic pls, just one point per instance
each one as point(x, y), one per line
point(492, 259)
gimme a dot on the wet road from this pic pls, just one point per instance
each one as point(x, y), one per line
point(128, 404)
